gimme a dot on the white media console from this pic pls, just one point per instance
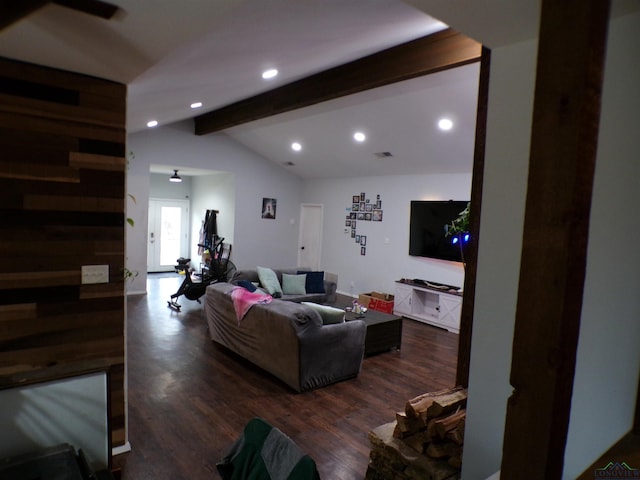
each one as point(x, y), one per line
point(430, 303)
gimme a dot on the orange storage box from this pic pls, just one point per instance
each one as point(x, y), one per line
point(381, 302)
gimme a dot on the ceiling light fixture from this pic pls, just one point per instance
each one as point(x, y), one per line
point(359, 137)
point(152, 123)
point(196, 105)
point(271, 73)
point(296, 146)
point(445, 124)
point(175, 177)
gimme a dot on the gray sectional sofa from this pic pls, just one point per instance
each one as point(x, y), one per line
point(287, 339)
point(330, 285)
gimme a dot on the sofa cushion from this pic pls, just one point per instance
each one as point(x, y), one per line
point(247, 284)
point(329, 315)
point(269, 281)
point(293, 284)
point(314, 282)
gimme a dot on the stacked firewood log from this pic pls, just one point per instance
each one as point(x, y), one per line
point(433, 424)
point(423, 442)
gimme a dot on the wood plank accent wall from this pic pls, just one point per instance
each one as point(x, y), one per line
point(62, 190)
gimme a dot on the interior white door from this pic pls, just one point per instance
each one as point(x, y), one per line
point(310, 236)
point(168, 233)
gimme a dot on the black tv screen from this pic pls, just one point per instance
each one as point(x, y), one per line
point(428, 228)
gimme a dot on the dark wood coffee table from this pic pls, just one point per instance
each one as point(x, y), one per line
point(384, 331)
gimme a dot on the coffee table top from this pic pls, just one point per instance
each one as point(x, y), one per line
point(372, 317)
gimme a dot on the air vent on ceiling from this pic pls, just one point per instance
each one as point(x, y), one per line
point(289, 164)
point(383, 154)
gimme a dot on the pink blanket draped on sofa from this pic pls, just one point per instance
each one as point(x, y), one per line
point(243, 300)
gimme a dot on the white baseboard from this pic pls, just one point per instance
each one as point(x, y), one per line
point(346, 294)
point(137, 292)
point(121, 449)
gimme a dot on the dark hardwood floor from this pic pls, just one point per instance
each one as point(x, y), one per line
point(189, 399)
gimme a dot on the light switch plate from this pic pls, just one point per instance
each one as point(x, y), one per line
point(95, 274)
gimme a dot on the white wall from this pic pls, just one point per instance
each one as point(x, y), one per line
point(42, 415)
point(255, 240)
point(608, 360)
point(161, 187)
point(387, 258)
point(504, 191)
point(213, 192)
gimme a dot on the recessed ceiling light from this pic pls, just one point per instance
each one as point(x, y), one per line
point(445, 124)
point(152, 123)
point(196, 105)
point(359, 137)
point(267, 74)
point(296, 146)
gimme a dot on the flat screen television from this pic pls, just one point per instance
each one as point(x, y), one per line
point(428, 227)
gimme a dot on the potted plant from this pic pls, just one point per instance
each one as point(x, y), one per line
point(459, 229)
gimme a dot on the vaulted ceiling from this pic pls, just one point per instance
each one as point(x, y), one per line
point(171, 54)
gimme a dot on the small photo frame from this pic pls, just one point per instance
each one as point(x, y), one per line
point(377, 216)
point(361, 216)
point(379, 204)
point(355, 207)
point(347, 223)
point(363, 250)
point(353, 233)
point(367, 201)
point(378, 197)
point(368, 207)
point(362, 195)
point(357, 238)
point(353, 224)
point(355, 199)
point(363, 240)
point(353, 216)
point(362, 206)
point(269, 208)
point(367, 217)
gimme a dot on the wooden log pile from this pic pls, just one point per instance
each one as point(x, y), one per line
point(425, 440)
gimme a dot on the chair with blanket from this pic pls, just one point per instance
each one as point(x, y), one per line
point(265, 453)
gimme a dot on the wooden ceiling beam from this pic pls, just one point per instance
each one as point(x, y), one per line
point(96, 8)
point(12, 11)
point(430, 54)
point(562, 159)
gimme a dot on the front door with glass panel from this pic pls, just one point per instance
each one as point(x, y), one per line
point(168, 234)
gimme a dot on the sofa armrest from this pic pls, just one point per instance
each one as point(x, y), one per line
point(331, 353)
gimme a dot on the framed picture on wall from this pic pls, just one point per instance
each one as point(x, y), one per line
point(269, 208)
point(355, 207)
point(363, 240)
point(353, 215)
point(363, 250)
point(347, 223)
point(353, 233)
point(368, 207)
point(377, 216)
point(357, 238)
point(356, 199)
point(367, 216)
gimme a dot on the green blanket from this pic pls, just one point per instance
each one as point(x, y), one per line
point(265, 453)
